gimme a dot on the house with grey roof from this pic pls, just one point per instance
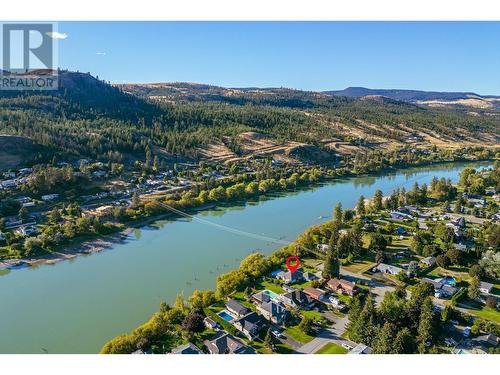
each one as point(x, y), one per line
point(387, 268)
point(261, 297)
point(188, 348)
point(224, 343)
point(297, 298)
point(441, 289)
point(485, 287)
point(361, 349)
point(290, 277)
point(249, 325)
point(273, 311)
point(210, 323)
point(429, 261)
point(236, 308)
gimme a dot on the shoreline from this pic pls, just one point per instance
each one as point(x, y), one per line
point(90, 246)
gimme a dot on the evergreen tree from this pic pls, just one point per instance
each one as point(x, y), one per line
point(337, 214)
point(360, 206)
point(426, 325)
point(377, 200)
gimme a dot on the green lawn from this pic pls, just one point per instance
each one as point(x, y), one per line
point(296, 334)
point(313, 315)
point(268, 285)
point(486, 313)
point(332, 348)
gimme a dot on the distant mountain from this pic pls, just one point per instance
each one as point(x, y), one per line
point(428, 98)
point(405, 95)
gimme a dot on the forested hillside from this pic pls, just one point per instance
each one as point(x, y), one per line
point(87, 117)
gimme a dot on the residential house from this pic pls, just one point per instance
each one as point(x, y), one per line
point(27, 231)
point(224, 343)
point(290, 277)
point(188, 348)
point(9, 184)
point(237, 308)
point(103, 213)
point(361, 349)
point(249, 325)
point(400, 231)
point(261, 297)
point(49, 197)
point(314, 293)
point(441, 289)
point(429, 261)
point(485, 287)
point(273, 311)
point(400, 216)
point(210, 323)
point(296, 298)
point(387, 268)
point(342, 286)
point(308, 276)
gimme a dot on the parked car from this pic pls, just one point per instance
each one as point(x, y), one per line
point(346, 346)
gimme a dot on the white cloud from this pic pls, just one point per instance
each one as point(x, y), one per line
point(101, 53)
point(56, 35)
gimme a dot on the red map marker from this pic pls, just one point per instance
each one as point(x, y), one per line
point(296, 263)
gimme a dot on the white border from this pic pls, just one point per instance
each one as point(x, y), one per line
point(59, 10)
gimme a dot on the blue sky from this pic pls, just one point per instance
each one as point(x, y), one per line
point(443, 56)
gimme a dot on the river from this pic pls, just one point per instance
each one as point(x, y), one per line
point(76, 306)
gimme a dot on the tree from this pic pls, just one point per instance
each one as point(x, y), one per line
point(23, 213)
point(305, 325)
point(404, 343)
point(426, 325)
point(458, 205)
point(337, 214)
point(384, 340)
point(268, 340)
point(490, 263)
point(135, 200)
point(193, 323)
point(476, 271)
point(473, 289)
point(442, 261)
point(360, 206)
point(377, 200)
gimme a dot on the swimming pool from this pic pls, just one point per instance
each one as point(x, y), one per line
point(225, 315)
point(270, 293)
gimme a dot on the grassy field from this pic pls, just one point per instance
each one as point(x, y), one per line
point(486, 313)
point(332, 348)
point(458, 273)
point(296, 334)
point(313, 315)
point(359, 266)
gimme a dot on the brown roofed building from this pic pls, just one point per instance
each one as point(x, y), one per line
point(342, 286)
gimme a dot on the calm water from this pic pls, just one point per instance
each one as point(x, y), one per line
point(76, 306)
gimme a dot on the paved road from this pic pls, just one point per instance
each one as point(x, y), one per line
point(327, 335)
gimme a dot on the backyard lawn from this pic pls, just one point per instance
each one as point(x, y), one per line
point(313, 315)
point(332, 348)
point(270, 286)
